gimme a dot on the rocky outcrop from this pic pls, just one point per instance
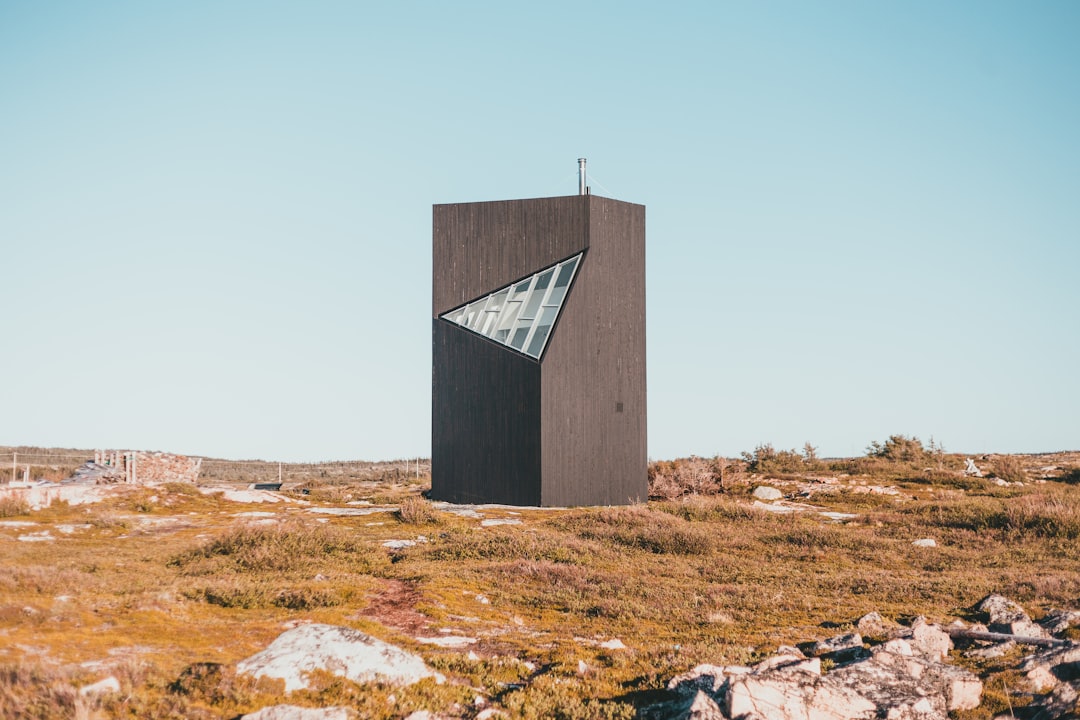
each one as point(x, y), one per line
point(902, 679)
point(292, 712)
point(341, 651)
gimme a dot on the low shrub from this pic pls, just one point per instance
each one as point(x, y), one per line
point(13, 505)
point(670, 479)
point(766, 459)
point(899, 448)
point(1009, 468)
point(416, 510)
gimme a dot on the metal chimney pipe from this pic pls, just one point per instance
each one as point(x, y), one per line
point(581, 176)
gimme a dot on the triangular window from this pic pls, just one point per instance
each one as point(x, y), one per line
point(521, 314)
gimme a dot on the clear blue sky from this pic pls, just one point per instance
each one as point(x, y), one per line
point(215, 218)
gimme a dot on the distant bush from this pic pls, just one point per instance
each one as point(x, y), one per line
point(12, 505)
point(1009, 468)
point(899, 448)
point(671, 479)
point(416, 511)
point(766, 459)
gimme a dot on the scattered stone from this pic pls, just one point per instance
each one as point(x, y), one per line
point(1007, 617)
point(842, 648)
point(499, 521)
point(43, 536)
point(871, 624)
point(764, 492)
point(1060, 704)
point(901, 680)
point(341, 651)
point(837, 516)
point(1058, 621)
point(613, 644)
point(71, 529)
point(101, 687)
point(1046, 669)
point(582, 668)
point(930, 641)
point(398, 544)
point(925, 542)
point(450, 641)
point(970, 469)
point(293, 712)
point(489, 713)
point(769, 507)
point(993, 651)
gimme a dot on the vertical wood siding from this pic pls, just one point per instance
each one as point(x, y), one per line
point(480, 247)
point(593, 383)
point(570, 430)
point(485, 410)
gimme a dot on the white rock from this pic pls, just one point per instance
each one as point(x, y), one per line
point(930, 641)
point(769, 507)
point(1043, 670)
point(43, 536)
point(764, 492)
point(925, 542)
point(341, 651)
point(108, 685)
point(778, 698)
point(613, 644)
point(293, 712)
point(1008, 617)
point(450, 641)
point(582, 668)
point(499, 521)
point(398, 544)
point(489, 713)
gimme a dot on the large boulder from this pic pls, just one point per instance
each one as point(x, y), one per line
point(341, 651)
point(1005, 616)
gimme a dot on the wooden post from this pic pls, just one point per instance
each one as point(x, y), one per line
point(279, 472)
point(14, 464)
point(26, 475)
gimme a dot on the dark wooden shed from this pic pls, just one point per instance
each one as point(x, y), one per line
point(538, 345)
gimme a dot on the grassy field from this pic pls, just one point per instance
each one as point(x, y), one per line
point(166, 588)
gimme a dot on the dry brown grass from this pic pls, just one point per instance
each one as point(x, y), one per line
point(705, 577)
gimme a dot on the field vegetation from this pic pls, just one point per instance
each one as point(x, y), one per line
point(167, 588)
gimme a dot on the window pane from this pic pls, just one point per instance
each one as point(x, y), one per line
point(565, 272)
point(520, 290)
point(537, 295)
point(543, 328)
point(506, 320)
point(521, 314)
point(519, 338)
